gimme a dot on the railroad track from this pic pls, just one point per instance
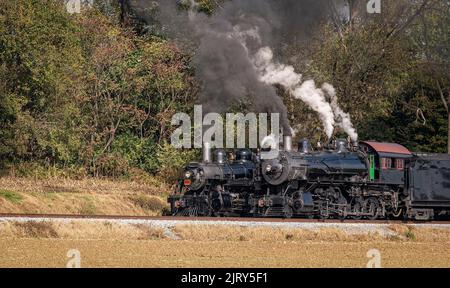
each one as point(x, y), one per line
point(211, 219)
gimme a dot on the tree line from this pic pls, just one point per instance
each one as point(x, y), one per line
point(95, 92)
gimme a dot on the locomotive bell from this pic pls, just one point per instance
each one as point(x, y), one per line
point(304, 146)
point(341, 145)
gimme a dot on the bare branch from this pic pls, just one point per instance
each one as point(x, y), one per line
point(442, 96)
point(418, 12)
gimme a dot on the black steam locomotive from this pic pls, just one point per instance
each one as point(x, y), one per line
point(364, 180)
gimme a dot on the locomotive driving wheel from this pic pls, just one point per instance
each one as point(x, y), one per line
point(371, 206)
point(324, 212)
point(288, 212)
point(358, 208)
point(342, 204)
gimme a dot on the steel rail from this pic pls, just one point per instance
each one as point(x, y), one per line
point(233, 219)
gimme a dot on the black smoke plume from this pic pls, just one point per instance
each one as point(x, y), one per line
point(223, 64)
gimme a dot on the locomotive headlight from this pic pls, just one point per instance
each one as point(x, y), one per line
point(188, 174)
point(268, 168)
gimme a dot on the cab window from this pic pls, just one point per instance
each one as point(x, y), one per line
point(399, 164)
point(386, 163)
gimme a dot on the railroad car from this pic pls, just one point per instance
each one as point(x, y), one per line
point(369, 179)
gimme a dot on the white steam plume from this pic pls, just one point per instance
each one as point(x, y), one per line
point(343, 119)
point(315, 99)
point(285, 75)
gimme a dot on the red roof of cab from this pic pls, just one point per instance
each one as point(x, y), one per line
point(388, 147)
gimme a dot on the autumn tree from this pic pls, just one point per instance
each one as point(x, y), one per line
point(40, 88)
point(383, 76)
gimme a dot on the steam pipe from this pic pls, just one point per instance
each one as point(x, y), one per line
point(287, 143)
point(206, 152)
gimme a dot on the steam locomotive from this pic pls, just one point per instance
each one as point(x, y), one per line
point(370, 180)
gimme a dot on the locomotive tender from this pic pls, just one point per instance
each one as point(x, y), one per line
point(365, 180)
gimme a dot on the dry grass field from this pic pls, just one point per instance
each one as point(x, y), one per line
point(111, 244)
point(106, 244)
point(87, 196)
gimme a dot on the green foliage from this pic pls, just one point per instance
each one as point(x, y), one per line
point(418, 120)
point(83, 91)
point(387, 72)
point(84, 94)
point(140, 153)
point(11, 196)
point(171, 160)
point(206, 6)
point(39, 74)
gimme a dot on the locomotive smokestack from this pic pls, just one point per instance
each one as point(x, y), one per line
point(287, 143)
point(206, 152)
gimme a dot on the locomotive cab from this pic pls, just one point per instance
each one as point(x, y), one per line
point(386, 162)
